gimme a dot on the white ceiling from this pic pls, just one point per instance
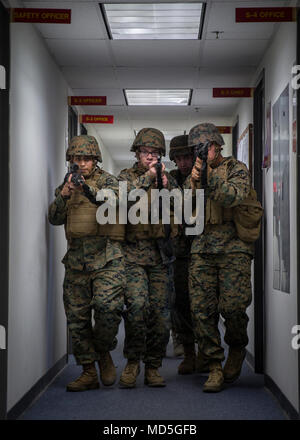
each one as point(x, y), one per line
point(94, 65)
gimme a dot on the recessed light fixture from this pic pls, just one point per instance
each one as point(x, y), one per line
point(158, 96)
point(132, 21)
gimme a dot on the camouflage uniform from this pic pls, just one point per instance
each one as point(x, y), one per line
point(220, 268)
point(146, 297)
point(94, 273)
point(182, 244)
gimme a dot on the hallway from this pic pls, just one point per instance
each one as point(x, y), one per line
point(182, 399)
point(108, 73)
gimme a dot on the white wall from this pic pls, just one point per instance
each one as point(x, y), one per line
point(281, 361)
point(108, 163)
point(38, 123)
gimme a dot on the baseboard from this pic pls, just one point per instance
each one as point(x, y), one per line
point(272, 387)
point(283, 401)
point(17, 410)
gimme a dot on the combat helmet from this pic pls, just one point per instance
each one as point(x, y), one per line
point(179, 145)
point(84, 145)
point(204, 132)
point(150, 137)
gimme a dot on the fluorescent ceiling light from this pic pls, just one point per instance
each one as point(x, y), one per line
point(158, 97)
point(131, 21)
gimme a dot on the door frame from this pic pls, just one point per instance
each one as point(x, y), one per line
point(298, 199)
point(259, 261)
point(4, 202)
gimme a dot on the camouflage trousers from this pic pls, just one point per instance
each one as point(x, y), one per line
point(147, 313)
point(220, 284)
point(181, 318)
point(103, 291)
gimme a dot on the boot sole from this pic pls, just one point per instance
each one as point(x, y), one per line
point(213, 389)
point(154, 384)
point(87, 388)
point(126, 385)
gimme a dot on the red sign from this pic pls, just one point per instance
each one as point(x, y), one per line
point(87, 100)
point(248, 15)
point(233, 92)
point(225, 130)
point(36, 15)
point(96, 119)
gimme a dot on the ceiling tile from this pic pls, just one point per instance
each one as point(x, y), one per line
point(156, 53)
point(80, 52)
point(94, 77)
point(155, 77)
point(86, 20)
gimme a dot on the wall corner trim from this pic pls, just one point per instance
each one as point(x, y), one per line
point(286, 405)
point(20, 407)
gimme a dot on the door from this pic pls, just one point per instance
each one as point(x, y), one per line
point(4, 202)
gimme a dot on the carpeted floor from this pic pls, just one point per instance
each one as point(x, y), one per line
point(181, 399)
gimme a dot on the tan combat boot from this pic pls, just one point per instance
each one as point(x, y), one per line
point(108, 373)
point(188, 365)
point(215, 380)
point(153, 378)
point(88, 380)
point(129, 375)
point(202, 365)
point(233, 365)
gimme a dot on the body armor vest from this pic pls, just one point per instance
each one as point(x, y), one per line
point(149, 231)
point(81, 217)
point(216, 214)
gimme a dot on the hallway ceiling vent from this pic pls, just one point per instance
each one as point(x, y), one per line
point(153, 21)
point(158, 97)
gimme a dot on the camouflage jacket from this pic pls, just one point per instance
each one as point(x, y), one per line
point(225, 192)
point(143, 252)
point(91, 252)
point(182, 243)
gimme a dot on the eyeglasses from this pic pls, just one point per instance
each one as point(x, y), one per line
point(150, 153)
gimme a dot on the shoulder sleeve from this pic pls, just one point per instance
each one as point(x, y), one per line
point(57, 211)
point(232, 188)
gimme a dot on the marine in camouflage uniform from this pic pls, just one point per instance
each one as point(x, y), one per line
point(220, 268)
point(94, 266)
point(182, 325)
point(146, 296)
